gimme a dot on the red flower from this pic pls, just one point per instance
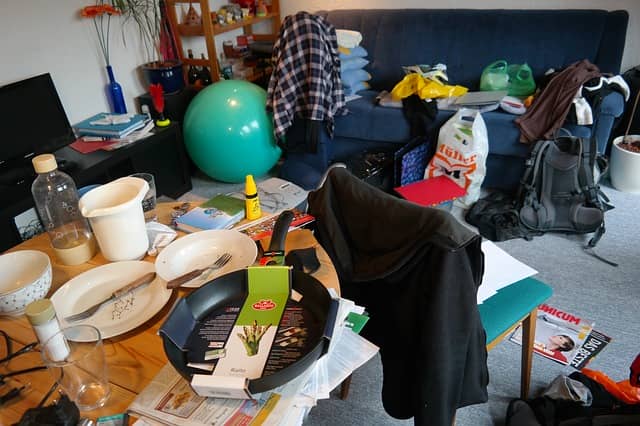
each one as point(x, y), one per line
point(91, 11)
point(97, 12)
point(110, 10)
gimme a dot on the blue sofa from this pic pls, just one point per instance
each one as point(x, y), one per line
point(466, 40)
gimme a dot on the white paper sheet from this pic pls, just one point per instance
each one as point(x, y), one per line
point(500, 270)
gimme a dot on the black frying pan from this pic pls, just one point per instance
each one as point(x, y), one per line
point(315, 311)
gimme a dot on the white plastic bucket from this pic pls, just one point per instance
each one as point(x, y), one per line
point(115, 213)
point(624, 168)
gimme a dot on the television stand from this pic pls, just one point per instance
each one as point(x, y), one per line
point(65, 165)
point(16, 175)
point(161, 154)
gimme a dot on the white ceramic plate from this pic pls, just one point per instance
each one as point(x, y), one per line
point(201, 249)
point(128, 312)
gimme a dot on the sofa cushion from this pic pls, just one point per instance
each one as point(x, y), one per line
point(351, 77)
point(358, 87)
point(370, 122)
point(429, 36)
point(352, 64)
point(356, 52)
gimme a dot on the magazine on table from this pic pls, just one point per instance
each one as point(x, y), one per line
point(559, 334)
point(263, 227)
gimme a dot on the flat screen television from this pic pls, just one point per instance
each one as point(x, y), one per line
point(33, 121)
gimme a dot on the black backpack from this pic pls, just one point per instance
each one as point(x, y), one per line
point(559, 192)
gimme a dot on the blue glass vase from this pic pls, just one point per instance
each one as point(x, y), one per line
point(115, 93)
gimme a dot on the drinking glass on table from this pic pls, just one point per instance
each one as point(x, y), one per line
point(82, 373)
point(149, 200)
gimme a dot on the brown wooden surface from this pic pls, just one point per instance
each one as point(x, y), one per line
point(133, 358)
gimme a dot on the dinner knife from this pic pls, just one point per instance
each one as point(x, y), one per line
point(137, 283)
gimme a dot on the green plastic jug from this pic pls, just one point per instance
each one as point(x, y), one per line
point(495, 76)
point(521, 82)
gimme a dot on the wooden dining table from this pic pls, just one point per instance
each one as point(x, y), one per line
point(133, 358)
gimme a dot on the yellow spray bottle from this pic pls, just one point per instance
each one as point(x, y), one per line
point(252, 202)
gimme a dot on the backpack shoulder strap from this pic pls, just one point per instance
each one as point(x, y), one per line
point(532, 167)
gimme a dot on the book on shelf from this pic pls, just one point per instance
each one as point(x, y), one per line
point(560, 335)
point(263, 227)
point(110, 125)
point(220, 212)
point(89, 144)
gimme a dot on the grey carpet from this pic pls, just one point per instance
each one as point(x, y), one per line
point(582, 285)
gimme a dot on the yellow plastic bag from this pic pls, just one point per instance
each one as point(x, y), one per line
point(425, 88)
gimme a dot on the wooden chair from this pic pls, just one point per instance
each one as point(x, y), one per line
point(503, 312)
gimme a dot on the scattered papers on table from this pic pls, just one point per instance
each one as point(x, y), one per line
point(169, 399)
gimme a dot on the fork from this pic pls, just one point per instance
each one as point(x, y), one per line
point(196, 273)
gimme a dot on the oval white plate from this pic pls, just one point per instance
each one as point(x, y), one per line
point(120, 316)
point(201, 249)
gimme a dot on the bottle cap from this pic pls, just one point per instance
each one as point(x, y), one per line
point(44, 163)
point(250, 186)
point(40, 311)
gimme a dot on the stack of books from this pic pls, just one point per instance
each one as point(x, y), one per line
point(111, 125)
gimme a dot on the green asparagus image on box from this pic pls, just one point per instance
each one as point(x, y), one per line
point(252, 336)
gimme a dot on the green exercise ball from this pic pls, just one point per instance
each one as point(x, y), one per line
point(228, 133)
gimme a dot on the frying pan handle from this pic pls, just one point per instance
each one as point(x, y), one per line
point(280, 230)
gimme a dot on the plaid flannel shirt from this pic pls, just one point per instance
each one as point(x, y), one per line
point(306, 76)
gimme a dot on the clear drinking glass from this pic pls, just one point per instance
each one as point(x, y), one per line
point(149, 200)
point(82, 375)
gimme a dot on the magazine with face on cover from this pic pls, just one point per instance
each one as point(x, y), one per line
point(559, 334)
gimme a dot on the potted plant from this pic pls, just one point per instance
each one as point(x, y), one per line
point(625, 158)
point(161, 66)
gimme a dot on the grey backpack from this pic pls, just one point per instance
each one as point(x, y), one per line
point(559, 192)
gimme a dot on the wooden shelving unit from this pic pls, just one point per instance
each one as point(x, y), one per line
point(209, 31)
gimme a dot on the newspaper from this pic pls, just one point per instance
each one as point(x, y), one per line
point(559, 334)
point(169, 400)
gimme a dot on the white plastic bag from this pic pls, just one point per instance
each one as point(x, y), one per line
point(461, 154)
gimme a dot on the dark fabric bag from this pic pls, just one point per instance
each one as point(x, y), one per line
point(605, 409)
point(497, 218)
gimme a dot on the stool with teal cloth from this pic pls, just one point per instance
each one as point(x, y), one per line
point(502, 312)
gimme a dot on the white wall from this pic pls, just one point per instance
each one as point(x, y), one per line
point(39, 36)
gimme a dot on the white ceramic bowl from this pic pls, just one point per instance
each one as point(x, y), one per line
point(26, 276)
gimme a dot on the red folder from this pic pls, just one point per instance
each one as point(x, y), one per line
point(431, 192)
point(86, 147)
